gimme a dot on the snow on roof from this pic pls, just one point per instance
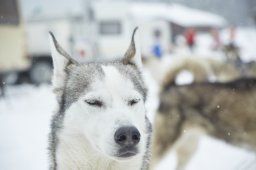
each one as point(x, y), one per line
point(192, 17)
point(178, 14)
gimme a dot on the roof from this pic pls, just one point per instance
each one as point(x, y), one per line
point(178, 14)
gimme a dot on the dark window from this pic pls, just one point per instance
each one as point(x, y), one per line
point(9, 12)
point(109, 27)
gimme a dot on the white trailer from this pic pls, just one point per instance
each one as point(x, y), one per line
point(38, 46)
point(103, 32)
point(115, 22)
point(66, 30)
point(13, 47)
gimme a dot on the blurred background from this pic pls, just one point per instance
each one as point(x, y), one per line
point(171, 32)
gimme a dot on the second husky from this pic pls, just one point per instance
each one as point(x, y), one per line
point(226, 111)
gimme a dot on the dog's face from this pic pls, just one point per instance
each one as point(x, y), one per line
point(103, 103)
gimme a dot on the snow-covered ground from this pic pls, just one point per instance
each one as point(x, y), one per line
point(24, 125)
point(25, 114)
point(213, 154)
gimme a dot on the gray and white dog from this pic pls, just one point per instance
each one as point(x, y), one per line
point(101, 122)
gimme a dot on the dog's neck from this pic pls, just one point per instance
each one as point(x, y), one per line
point(75, 152)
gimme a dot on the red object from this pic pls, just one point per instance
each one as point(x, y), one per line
point(82, 53)
point(190, 36)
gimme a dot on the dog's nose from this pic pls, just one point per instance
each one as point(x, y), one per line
point(127, 136)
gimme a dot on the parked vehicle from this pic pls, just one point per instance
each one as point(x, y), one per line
point(96, 31)
point(13, 47)
point(38, 44)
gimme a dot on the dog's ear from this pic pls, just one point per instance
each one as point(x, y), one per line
point(133, 54)
point(62, 61)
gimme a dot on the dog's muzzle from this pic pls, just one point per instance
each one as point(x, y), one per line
point(127, 138)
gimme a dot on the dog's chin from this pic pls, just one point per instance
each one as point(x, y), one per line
point(126, 154)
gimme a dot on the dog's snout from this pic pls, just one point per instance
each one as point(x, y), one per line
point(127, 136)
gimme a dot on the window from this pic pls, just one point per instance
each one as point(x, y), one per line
point(9, 12)
point(110, 27)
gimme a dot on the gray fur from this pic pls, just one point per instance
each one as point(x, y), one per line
point(147, 155)
point(61, 50)
point(129, 54)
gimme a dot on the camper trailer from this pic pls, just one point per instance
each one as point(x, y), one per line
point(114, 28)
point(13, 47)
point(66, 29)
point(102, 33)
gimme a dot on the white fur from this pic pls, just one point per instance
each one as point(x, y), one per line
point(86, 140)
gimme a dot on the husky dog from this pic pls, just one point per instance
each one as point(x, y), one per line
point(204, 69)
point(226, 111)
point(101, 123)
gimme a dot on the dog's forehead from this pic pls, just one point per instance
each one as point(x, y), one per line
point(131, 73)
point(115, 81)
point(81, 78)
point(85, 75)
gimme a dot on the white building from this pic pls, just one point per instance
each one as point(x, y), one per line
point(107, 25)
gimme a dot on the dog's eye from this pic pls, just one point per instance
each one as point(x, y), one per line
point(133, 102)
point(96, 103)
